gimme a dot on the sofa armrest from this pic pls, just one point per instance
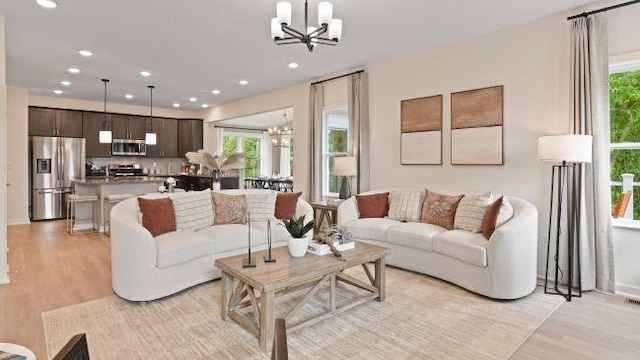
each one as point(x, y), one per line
point(512, 253)
point(347, 211)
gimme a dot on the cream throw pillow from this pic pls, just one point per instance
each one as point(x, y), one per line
point(470, 212)
point(194, 209)
point(262, 206)
point(406, 205)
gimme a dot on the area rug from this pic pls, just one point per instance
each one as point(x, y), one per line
point(422, 318)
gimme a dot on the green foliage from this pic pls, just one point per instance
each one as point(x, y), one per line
point(336, 144)
point(624, 93)
point(251, 149)
point(296, 227)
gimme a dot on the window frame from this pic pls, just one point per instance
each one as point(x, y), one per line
point(242, 136)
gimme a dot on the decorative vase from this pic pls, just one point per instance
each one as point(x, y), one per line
point(297, 246)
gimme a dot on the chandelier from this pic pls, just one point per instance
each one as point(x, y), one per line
point(282, 33)
point(281, 135)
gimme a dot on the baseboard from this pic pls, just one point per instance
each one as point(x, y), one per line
point(18, 221)
point(625, 290)
point(4, 279)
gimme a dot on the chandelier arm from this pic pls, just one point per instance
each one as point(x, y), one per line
point(293, 32)
point(287, 41)
point(325, 41)
point(319, 31)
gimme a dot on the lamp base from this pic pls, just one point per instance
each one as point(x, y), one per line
point(248, 263)
point(268, 259)
point(345, 188)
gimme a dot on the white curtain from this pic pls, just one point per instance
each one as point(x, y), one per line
point(316, 105)
point(590, 115)
point(359, 127)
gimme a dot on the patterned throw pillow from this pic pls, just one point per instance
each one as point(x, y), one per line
point(286, 205)
point(194, 209)
point(439, 209)
point(373, 206)
point(157, 215)
point(470, 212)
point(261, 206)
point(405, 205)
point(230, 209)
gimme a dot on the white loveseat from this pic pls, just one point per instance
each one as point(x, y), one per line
point(146, 268)
point(502, 267)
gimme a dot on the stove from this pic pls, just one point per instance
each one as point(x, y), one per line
point(125, 170)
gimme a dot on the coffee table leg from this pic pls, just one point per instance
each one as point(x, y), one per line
point(227, 290)
point(380, 281)
point(266, 319)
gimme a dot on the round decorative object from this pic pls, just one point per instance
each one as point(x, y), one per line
point(297, 246)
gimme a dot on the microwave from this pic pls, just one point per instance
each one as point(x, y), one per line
point(128, 147)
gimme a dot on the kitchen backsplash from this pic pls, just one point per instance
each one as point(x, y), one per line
point(163, 165)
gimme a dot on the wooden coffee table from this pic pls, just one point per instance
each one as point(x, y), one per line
point(257, 287)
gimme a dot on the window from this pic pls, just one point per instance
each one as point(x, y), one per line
point(624, 87)
point(248, 144)
point(335, 143)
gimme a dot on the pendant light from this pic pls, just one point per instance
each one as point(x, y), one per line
point(150, 137)
point(105, 134)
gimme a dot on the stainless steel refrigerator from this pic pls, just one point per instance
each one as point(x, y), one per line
point(55, 161)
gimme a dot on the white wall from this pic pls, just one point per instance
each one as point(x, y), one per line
point(18, 162)
point(4, 268)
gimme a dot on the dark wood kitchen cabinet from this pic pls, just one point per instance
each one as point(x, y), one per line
point(189, 135)
point(166, 138)
point(92, 123)
point(55, 122)
point(129, 127)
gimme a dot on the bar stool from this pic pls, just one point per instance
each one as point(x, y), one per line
point(74, 199)
point(109, 201)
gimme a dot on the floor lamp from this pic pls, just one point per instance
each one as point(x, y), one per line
point(345, 166)
point(571, 151)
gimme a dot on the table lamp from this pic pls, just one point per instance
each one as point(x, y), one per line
point(345, 166)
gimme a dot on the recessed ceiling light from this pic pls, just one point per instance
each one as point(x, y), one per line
point(128, 96)
point(145, 73)
point(48, 4)
point(243, 82)
point(73, 70)
point(204, 106)
point(85, 53)
point(292, 65)
point(193, 99)
point(58, 92)
point(65, 83)
point(176, 105)
point(215, 92)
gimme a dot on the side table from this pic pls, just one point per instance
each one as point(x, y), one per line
point(328, 214)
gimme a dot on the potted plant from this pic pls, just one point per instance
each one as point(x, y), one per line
point(298, 229)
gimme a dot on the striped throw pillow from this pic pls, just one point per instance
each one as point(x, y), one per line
point(470, 212)
point(406, 205)
point(194, 209)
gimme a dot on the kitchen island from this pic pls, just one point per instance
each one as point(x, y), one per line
point(134, 185)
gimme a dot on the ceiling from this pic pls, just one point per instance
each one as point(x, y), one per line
point(194, 46)
point(261, 121)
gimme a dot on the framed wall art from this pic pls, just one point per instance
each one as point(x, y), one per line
point(421, 131)
point(477, 126)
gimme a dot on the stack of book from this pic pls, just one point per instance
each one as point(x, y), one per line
point(321, 249)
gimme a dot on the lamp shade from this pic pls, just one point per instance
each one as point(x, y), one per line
point(104, 136)
point(150, 138)
point(283, 12)
point(335, 29)
point(325, 13)
point(276, 29)
point(345, 166)
point(572, 148)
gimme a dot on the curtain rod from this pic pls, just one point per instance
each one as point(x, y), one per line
point(585, 14)
point(341, 76)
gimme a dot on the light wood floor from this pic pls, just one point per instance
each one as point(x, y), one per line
point(50, 269)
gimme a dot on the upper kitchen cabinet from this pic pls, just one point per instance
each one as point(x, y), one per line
point(92, 123)
point(155, 150)
point(55, 122)
point(128, 127)
point(166, 131)
point(189, 135)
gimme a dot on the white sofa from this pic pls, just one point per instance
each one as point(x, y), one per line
point(146, 268)
point(503, 267)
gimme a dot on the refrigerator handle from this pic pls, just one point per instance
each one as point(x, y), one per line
point(61, 163)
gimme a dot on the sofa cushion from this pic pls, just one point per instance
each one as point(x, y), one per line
point(413, 234)
point(370, 228)
point(231, 237)
point(261, 206)
point(440, 209)
point(230, 209)
point(470, 212)
point(178, 247)
point(406, 205)
point(157, 215)
point(194, 209)
point(373, 206)
point(462, 245)
point(286, 204)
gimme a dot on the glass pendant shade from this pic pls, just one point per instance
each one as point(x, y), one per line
point(335, 29)
point(276, 29)
point(325, 13)
point(105, 136)
point(283, 11)
point(150, 139)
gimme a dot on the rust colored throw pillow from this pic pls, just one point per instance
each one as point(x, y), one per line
point(440, 209)
point(157, 215)
point(286, 204)
point(491, 218)
point(230, 209)
point(373, 206)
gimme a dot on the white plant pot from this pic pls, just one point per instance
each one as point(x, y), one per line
point(297, 247)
